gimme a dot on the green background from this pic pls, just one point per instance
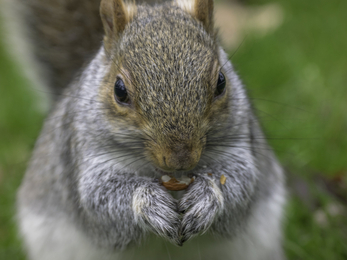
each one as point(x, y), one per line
point(297, 81)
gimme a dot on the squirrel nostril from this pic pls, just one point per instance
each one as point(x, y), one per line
point(177, 158)
point(178, 162)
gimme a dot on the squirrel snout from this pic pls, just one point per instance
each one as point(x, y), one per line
point(179, 158)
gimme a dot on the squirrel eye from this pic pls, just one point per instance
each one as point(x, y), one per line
point(120, 92)
point(220, 84)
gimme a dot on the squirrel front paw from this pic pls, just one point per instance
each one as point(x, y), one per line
point(200, 205)
point(156, 210)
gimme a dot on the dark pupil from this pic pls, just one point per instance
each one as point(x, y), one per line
point(120, 91)
point(220, 84)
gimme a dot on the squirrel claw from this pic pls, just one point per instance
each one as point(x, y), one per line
point(201, 204)
point(156, 210)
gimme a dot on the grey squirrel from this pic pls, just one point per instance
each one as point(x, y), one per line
point(158, 97)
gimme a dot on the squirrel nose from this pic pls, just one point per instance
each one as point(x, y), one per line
point(180, 158)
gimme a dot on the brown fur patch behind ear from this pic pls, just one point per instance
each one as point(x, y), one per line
point(186, 5)
point(115, 15)
point(202, 10)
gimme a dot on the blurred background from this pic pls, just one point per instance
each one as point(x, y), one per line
point(291, 55)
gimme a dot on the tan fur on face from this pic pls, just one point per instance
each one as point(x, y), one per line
point(170, 71)
point(107, 94)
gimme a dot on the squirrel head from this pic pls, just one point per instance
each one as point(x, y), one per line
point(164, 77)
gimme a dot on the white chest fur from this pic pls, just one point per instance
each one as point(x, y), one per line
point(57, 238)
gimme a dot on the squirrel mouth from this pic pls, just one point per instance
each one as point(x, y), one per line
point(161, 172)
point(176, 174)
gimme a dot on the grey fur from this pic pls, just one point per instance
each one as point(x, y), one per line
point(92, 170)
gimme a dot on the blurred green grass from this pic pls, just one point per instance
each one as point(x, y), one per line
point(20, 123)
point(297, 80)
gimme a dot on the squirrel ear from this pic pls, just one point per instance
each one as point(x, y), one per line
point(115, 15)
point(202, 10)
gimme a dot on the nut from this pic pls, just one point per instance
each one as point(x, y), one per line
point(223, 179)
point(171, 183)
